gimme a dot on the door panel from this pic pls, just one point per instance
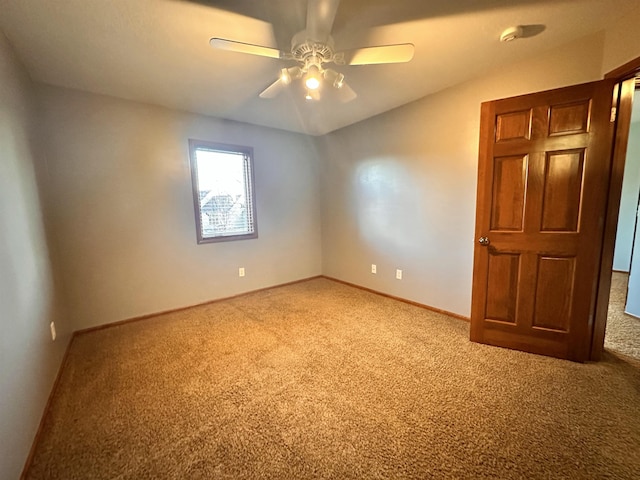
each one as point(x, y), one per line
point(502, 283)
point(542, 184)
point(509, 177)
point(562, 191)
point(513, 125)
point(554, 290)
point(569, 118)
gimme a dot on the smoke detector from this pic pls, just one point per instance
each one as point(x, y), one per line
point(511, 33)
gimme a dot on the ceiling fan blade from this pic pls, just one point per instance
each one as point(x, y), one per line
point(242, 47)
point(346, 93)
point(320, 17)
point(400, 53)
point(274, 89)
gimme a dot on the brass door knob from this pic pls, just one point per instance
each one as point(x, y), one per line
point(484, 241)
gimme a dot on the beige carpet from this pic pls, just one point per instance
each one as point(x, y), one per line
point(623, 331)
point(321, 380)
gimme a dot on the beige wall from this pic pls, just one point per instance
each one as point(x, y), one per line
point(120, 198)
point(29, 360)
point(399, 189)
point(622, 41)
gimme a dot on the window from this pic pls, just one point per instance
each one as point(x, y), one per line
point(223, 198)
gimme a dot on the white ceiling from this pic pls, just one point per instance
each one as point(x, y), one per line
point(157, 51)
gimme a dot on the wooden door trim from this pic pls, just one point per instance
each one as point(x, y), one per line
point(628, 70)
point(625, 76)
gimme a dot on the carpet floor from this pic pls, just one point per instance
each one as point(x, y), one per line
point(322, 380)
point(623, 331)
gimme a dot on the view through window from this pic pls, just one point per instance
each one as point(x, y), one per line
point(222, 178)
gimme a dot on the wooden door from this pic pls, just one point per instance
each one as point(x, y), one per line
point(543, 176)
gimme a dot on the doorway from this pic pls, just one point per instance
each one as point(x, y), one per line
point(625, 77)
point(623, 319)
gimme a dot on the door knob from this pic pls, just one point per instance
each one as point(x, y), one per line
point(483, 241)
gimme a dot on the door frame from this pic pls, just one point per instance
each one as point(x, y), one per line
point(623, 98)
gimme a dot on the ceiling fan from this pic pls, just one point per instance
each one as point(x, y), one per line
point(312, 49)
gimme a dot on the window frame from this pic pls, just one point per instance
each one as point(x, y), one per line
point(247, 152)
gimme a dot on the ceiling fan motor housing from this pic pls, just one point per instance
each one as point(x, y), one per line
point(311, 52)
point(305, 50)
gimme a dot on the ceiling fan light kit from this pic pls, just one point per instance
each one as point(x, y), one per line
point(312, 78)
point(312, 48)
point(285, 77)
point(336, 79)
point(312, 95)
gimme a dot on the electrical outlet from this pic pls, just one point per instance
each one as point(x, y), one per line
point(374, 269)
point(399, 274)
point(52, 326)
point(241, 272)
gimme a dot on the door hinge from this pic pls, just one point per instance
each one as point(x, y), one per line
point(614, 112)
